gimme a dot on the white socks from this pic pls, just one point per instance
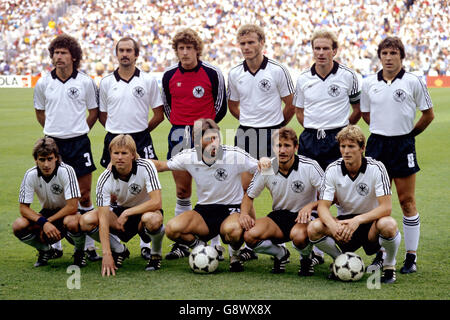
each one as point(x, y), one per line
point(182, 205)
point(391, 248)
point(267, 247)
point(327, 245)
point(411, 232)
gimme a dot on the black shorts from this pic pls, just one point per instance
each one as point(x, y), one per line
point(179, 138)
point(131, 226)
point(144, 146)
point(285, 220)
point(256, 141)
point(360, 238)
point(319, 145)
point(214, 215)
point(76, 152)
point(398, 154)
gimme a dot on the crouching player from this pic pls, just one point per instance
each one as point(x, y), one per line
point(134, 183)
point(217, 170)
point(361, 187)
point(294, 189)
point(56, 187)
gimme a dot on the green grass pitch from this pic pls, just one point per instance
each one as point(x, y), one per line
point(19, 280)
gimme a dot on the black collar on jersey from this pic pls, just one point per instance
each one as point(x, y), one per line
point(292, 168)
point(50, 177)
point(398, 76)
point(197, 67)
point(55, 76)
point(333, 70)
point(262, 66)
point(133, 171)
point(219, 155)
point(136, 73)
point(361, 169)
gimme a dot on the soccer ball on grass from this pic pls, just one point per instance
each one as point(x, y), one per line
point(348, 267)
point(203, 259)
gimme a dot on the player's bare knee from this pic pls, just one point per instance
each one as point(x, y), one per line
point(20, 224)
point(408, 205)
point(183, 192)
point(172, 231)
point(315, 229)
point(250, 238)
point(387, 227)
point(88, 221)
point(299, 237)
point(152, 221)
point(71, 222)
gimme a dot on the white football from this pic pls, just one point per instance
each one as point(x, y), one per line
point(348, 267)
point(203, 259)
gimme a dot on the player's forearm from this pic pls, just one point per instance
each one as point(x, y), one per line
point(71, 207)
point(382, 210)
point(355, 115)
point(160, 166)
point(158, 117)
point(323, 210)
point(288, 113)
point(424, 121)
point(247, 205)
point(102, 116)
point(151, 205)
point(233, 106)
point(366, 117)
point(104, 229)
point(28, 213)
point(299, 114)
point(40, 116)
point(92, 117)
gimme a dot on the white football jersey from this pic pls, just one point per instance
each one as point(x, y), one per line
point(292, 191)
point(128, 102)
point(393, 105)
point(53, 191)
point(143, 179)
point(359, 195)
point(65, 103)
point(326, 102)
point(260, 94)
point(219, 183)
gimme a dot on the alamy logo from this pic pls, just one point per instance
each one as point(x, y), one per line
point(362, 189)
point(264, 85)
point(334, 90)
point(297, 186)
point(134, 188)
point(221, 174)
point(138, 92)
point(73, 92)
point(198, 91)
point(56, 189)
point(399, 95)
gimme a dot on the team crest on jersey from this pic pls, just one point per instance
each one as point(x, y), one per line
point(297, 186)
point(138, 92)
point(334, 90)
point(198, 91)
point(73, 92)
point(221, 174)
point(399, 95)
point(362, 189)
point(264, 85)
point(134, 188)
point(56, 189)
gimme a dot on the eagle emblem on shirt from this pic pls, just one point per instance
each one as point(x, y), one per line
point(56, 189)
point(198, 91)
point(297, 186)
point(399, 95)
point(73, 92)
point(264, 85)
point(221, 174)
point(334, 90)
point(134, 188)
point(362, 189)
point(138, 92)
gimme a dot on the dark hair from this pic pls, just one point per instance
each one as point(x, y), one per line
point(188, 36)
point(135, 44)
point(44, 147)
point(64, 41)
point(286, 133)
point(392, 42)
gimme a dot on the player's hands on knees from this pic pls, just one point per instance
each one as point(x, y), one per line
point(246, 221)
point(123, 218)
point(336, 231)
point(304, 215)
point(108, 266)
point(349, 226)
point(51, 232)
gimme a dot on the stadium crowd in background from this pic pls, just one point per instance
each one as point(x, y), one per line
point(26, 28)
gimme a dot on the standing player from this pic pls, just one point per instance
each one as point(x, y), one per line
point(361, 187)
point(322, 99)
point(192, 89)
point(217, 170)
point(294, 191)
point(135, 185)
point(62, 97)
point(257, 88)
point(56, 187)
point(125, 99)
point(388, 103)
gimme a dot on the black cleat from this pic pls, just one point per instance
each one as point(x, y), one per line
point(220, 251)
point(92, 255)
point(43, 258)
point(279, 265)
point(79, 258)
point(388, 276)
point(236, 265)
point(377, 263)
point(331, 275)
point(178, 251)
point(145, 253)
point(409, 265)
point(154, 263)
point(247, 254)
point(306, 267)
point(316, 259)
point(56, 253)
point(120, 257)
